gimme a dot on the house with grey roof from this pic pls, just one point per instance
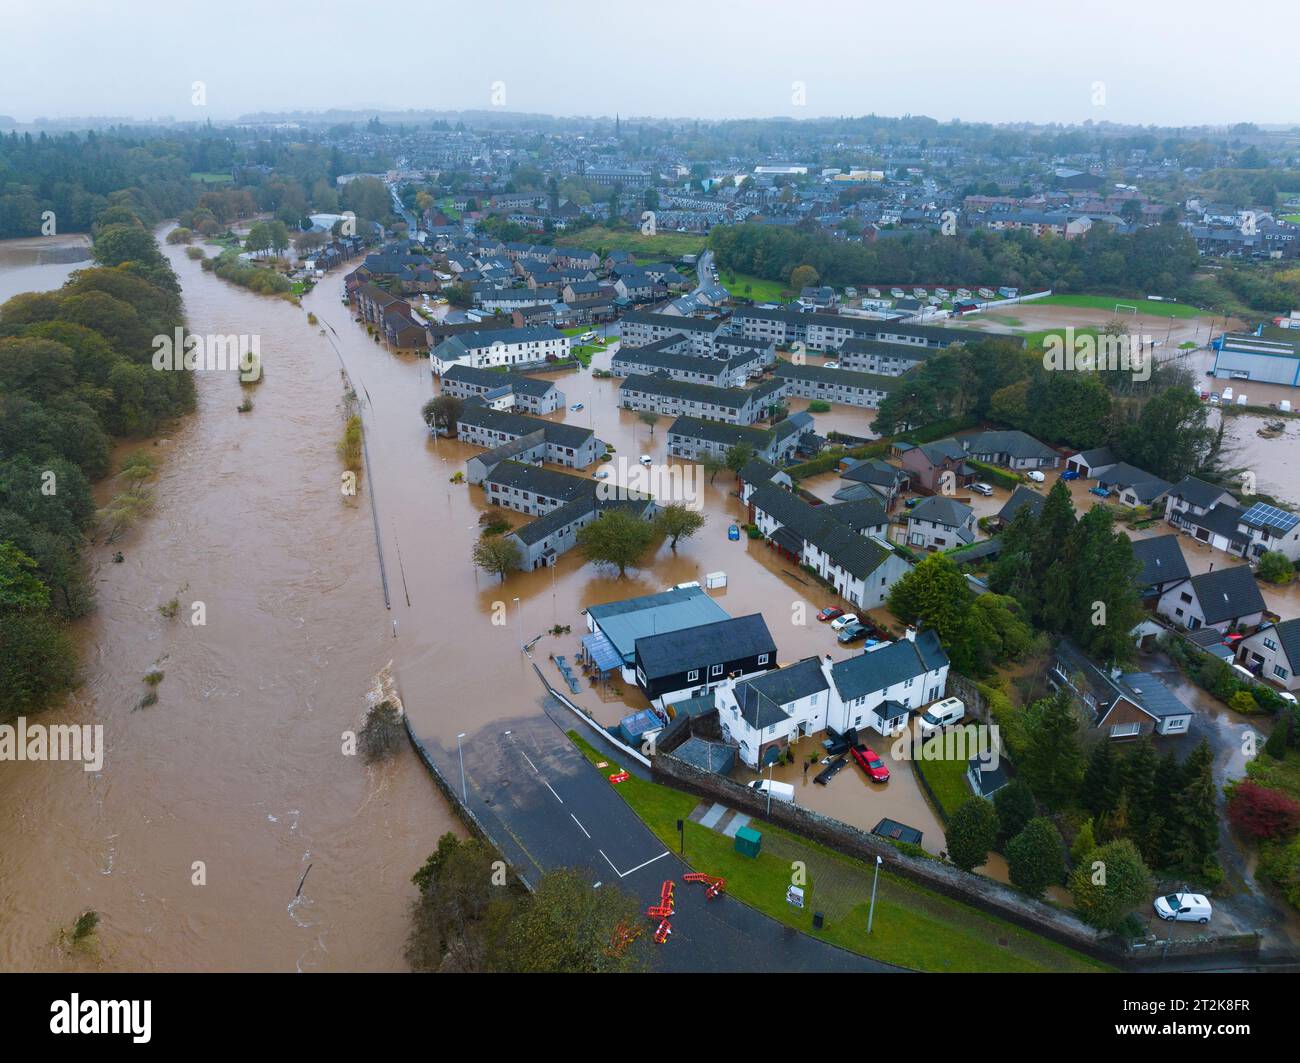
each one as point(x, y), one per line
point(664, 395)
point(503, 391)
point(695, 438)
point(844, 386)
point(1091, 463)
point(1273, 653)
point(694, 660)
point(1225, 599)
point(882, 686)
point(485, 348)
point(1192, 497)
point(1021, 498)
point(1163, 564)
point(871, 478)
point(1133, 486)
point(560, 444)
point(763, 714)
point(937, 466)
point(940, 523)
point(1118, 704)
point(640, 327)
point(1011, 449)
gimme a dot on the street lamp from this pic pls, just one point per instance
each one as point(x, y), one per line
point(464, 794)
point(871, 914)
point(769, 787)
point(519, 617)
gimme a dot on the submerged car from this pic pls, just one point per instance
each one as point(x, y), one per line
point(1036, 476)
point(733, 532)
point(576, 406)
point(829, 613)
point(843, 620)
point(869, 761)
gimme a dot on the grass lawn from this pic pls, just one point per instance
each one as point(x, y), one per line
point(1037, 339)
point(661, 245)
point(1108, 302)
point(1281, 775)
point(1294, 219)
point(913, 926)
point(947, 778)
point(760, 290)
point(211, 178)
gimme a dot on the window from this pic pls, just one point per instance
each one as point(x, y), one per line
point(1125, 730)
point(1269, 644)
point(1279, 671)
point(693, 675)
point(715, 670)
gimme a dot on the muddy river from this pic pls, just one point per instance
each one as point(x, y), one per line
point(236, 776)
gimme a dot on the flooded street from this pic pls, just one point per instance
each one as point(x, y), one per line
point(238, 766)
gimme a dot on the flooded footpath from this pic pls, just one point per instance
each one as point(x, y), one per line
point(236, 778)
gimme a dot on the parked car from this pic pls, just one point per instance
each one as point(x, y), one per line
point(1070, 474)
point(781, 791)
point(1100, 492)
point(645, 459)
point(1214, 398)
point(576, 407)
point(733, 532)
point(912, 502)
point(982, 488)
point(940, 715)
point(843, 620)
point(869, 761)
point(601, 474)
point(1184, 908)
point(1036, 476)
point(1287, 696)
point(852, 633)
point(831, 365)
point(829, 613)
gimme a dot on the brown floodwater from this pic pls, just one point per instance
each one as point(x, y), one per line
point(239, 766)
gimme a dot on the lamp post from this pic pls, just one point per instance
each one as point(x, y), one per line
point(769, 787)
point(519, 617)
point(464, 794)
point(871, 913)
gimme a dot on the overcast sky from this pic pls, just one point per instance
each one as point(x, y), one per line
point(1168, 62)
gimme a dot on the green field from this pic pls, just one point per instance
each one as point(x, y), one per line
point(1108, 302)
point(913, 926)
point(661, 245)
point(211, 178)
point(1294, 219)
point(760, 290)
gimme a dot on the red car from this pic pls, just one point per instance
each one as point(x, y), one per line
point(869, 762)
point(830, 613)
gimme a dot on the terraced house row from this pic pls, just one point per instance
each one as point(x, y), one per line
point(503, 391)
point(672, 357)
point(696, 438)
point(828, 332)
point(499, 347)
point(519, 436)
point(671, 398)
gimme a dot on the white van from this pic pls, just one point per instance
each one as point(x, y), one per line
point(1244, 674)
point(781, 791)
point(1184, 907)
point(940, 715)
point(1036, 476)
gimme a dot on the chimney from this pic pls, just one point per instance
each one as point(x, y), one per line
point(910, 633)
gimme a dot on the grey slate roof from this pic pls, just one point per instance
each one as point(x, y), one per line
point(895, 662)
point(1227, 593)
point(1162, 560)
point(1021, 497)
point(1197, 492)
point(1015, 443)
point(725, 640)
point(822, 527)
point(944, 510)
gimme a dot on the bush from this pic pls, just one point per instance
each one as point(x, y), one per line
point(1261, 813)
point(819, 406)
point(1274, 567)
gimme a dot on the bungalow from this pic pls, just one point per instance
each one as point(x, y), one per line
point(938, 523)
point(1273, 652)
point(687, 663)
point(986, 775)
point(1163, 564)
point(1021, 498)
point(1135, 487)
point(1224, 599)
point(1091, 463)
point(1010, 449)
point(1119, 704)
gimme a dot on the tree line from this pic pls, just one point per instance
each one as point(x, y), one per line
point(75, 374)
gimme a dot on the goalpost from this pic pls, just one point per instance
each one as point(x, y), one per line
point(1127, 308)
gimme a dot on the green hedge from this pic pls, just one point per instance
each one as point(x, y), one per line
point(995, 475)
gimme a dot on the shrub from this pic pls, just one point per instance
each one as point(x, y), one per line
point(1261, 813)
point(1275, 567)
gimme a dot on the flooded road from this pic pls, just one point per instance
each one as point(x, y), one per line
point(237, 774)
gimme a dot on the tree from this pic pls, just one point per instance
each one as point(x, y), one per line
point(1015, 807)
point(1052, 760)
point(678, 521)
point(1197, 822)
point(498, 555)
point(802, 277)
point(739, 456)
point(616, 537)
point(1102, 787)
point(1036, 857)
point(450, 920)
point(37, 661)
point(712, 465)
point(1276, 567)
point(650, 418)
point(21, 588)
point(443, 412)
point(1169, 438)
point(1110, 885)
point(1261, 813)
point(566, 927)
point(972, 833)
point(383, 733)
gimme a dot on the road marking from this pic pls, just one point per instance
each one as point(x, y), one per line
point(530, 763)
point(624, 874)
point(580, 826)
point(552, 789)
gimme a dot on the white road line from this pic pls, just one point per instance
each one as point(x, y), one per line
point(530, 763)
point(553, 793)
point(624, 874)
point(580, 826)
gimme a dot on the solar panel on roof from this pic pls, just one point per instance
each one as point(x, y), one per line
point(1270, 516)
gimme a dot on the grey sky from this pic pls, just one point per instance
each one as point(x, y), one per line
point(1174, 62)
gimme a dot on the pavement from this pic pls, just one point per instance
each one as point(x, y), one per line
point(545, 807)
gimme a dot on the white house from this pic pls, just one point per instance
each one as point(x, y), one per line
point(1273, 653)
point(1224, 599)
